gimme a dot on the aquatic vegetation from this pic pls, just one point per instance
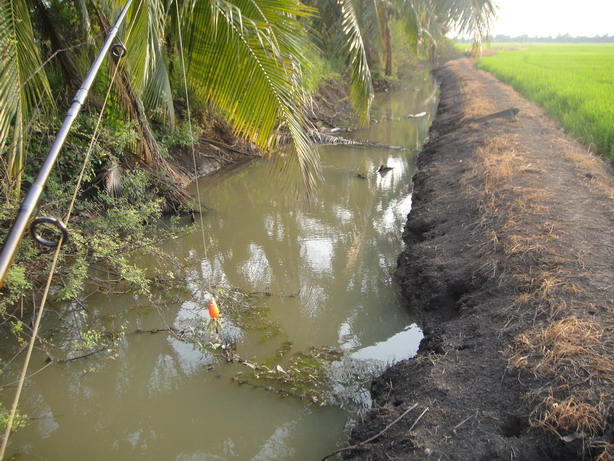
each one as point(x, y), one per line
point(20, 420)
point(572, 82)
point(305, 375)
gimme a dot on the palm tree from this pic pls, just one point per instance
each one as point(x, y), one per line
point(23, 86)
point(243, 56)
point(425, 23)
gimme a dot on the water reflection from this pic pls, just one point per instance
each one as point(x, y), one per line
point(152, 396)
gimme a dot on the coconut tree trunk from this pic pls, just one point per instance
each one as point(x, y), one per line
point(149, 153)
point(65, 58)
point(384, 17)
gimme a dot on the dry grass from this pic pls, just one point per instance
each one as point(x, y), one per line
point(475, 104)
point(586, 163)
point(557, 337)
point(498, 169)
point(567, 345)
point(524, 183)
point(589, 164)
point(573, 354)
point(568, 416)
point(499, 160)
point(499, 166)
point(607, 454)
point(570, 353)
point(542, 284)
point(528, 248)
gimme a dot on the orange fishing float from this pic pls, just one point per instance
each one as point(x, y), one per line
point(214, 311)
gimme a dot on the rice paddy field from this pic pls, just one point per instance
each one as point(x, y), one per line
point(574, 83)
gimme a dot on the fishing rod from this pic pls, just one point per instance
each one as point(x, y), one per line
point(28, 205)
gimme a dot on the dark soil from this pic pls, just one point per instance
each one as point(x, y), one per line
point(509, 262)
point(217, 148)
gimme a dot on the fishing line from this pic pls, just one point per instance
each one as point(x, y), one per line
point(42, 66)
point(192, 144)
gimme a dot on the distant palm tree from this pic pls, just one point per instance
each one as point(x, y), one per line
point(363, 26)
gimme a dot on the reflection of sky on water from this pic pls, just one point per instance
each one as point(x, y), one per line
point(256, 268)
point(319, 254)
point(164, 376)
point(400, 346)
point(395, 212)
point(347, 339)
point(48, 423)
point(190, 359)
point(277, 446)
point(344, 215)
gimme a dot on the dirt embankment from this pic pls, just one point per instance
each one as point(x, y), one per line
point(219, 147)
point(510, 263)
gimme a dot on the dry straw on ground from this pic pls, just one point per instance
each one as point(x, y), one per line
point(475, 105)
point(568, 346)
point(568, 416)
point(571, 354)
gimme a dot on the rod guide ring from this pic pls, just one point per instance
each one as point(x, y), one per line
point(118, 51)
point(43, 220)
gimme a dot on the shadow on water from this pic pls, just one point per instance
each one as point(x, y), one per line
point(328, 306)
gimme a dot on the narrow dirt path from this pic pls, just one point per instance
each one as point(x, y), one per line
point(510, 263)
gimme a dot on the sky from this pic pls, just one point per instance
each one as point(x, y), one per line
point(549, 18)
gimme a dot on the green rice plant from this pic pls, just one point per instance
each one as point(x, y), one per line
point(573, 83)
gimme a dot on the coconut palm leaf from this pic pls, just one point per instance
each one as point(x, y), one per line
point(85, 23)
point(422, 21)
point(243, 57)
point(473, 16)
point(144, 32)
point(24, 86)
point(430, 20)
point(465, 16)
point(361, 86)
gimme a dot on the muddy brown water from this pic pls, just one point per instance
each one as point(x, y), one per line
point(151, 396)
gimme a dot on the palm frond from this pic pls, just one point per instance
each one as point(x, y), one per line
point(247, 66)
point(86, 24)
point(144, 31)
point(24, 86)
point(361, 86)
point(467, 16)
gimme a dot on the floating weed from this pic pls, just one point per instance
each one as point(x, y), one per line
point(271, 329)
point(281, 352)
point(256, 318)
point(304, 376)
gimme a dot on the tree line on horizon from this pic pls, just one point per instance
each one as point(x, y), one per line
point(565, 38)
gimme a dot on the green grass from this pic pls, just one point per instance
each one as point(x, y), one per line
point(573, 83)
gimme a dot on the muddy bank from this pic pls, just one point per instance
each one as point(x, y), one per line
point(218, 147)
point(508, 261)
